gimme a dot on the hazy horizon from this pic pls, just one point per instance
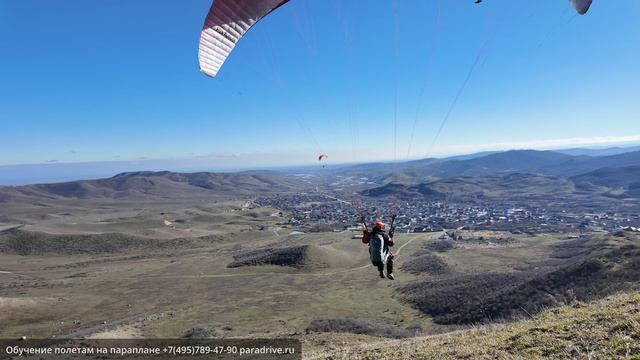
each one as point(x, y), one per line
point(24, 174)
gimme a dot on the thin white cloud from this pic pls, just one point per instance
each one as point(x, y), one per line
point(297, 157)
point(261, 159)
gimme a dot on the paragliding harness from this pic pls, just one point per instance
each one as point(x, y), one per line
point(378, 249)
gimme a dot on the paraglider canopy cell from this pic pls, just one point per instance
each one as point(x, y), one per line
point(582, 6)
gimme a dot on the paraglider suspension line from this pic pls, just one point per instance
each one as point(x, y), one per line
point(457, 97)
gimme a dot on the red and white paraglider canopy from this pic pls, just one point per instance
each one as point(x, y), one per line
point(226, 23)
point(229, 20)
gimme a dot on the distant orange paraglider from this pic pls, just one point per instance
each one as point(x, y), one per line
point(323, 157)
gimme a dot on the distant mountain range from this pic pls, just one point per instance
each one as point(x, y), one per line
point(516, 161)
point(60, 172)
point(157, 185)
point(510, 173)
point(599, 152)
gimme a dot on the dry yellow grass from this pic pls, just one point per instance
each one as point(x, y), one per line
point(606, 329)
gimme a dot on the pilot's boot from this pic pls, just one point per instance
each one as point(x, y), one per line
point(390, 269)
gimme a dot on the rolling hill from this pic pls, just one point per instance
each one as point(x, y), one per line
point(158, 185)
point(471, 299)
point(517, 172)
point(507, 186)
point(490, 164)
point(400, 191)
point(531, 161)
point(625, 179)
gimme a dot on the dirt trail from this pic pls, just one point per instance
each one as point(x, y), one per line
point(275, 273)
point(16, 274)
point(108, 328)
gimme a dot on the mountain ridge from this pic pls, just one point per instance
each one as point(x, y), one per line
point(152, 184)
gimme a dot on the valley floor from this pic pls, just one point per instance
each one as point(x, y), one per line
point(168, 272)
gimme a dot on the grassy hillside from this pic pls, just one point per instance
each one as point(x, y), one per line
point(578, 270)
point(514, 185)
point(22, 242)
point(615, 181)
point(606, 329)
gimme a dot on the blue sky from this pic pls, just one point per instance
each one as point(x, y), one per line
point(89, 80)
